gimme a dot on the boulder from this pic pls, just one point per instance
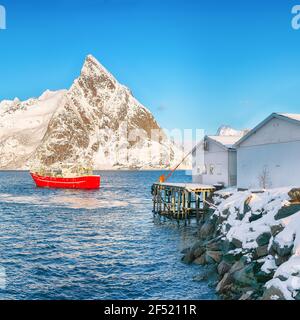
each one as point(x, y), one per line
point(273, 293)
point(197, 244)
point(237, 243)
point(282, 277)
point(188, 257)
point(213, 256)
point(225, 213)
point(263, 277)
point(275, 229)
point(207, 229)
point(227, 246)
point(261, 251)
point(214, 246)
point(209, 274)
point(223, 267)
point(282, 251)
point(232, 257)
point(294, 194)
point(255, 216)
point(199, 252)
point(297, 296)
point(279, 260)
point(247, 295)
point(287, 211)
point(224, 284)
point(186, 250)
point(238, 265)
point(263, 238)
point(245, 276)
point(247, 208)
point(201, 260)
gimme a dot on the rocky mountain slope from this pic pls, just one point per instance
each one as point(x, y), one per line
point(96, 122)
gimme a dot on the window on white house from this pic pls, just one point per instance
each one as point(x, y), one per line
point(211, 169)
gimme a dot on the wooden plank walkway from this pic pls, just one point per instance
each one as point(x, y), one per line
point(181, 200)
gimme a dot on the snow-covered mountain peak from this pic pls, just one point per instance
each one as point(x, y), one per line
point(226, 130)
point(93, 68)
point(100, 122)
point(96, 122)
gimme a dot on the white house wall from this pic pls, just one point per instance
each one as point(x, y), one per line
point(216, 156)
point(275, 131)
point(276, 164)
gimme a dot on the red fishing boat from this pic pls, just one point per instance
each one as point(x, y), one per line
point(70, 179)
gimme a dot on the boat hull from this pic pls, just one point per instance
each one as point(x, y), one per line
point(84, 182)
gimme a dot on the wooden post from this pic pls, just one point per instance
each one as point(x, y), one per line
point(173, 202)
point(165, 200)
point(204, 199)
point(154, 198)
point(189, 202)
point(178, 203)
point(197, 205)
point(169, 201)
point(160, 199)
point(185, 204)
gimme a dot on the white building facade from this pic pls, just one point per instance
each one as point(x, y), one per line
point(214, 161)
point(269, 155)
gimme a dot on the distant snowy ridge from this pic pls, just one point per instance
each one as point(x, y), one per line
point(23, 126)
point(96, 122)
point(228, 131)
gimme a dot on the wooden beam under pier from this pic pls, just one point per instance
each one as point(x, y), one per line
point(180, 200)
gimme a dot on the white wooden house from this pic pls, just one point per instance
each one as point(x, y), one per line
point(269, 155)
point(214, 161)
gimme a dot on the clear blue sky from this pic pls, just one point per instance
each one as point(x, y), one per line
point(194, 64)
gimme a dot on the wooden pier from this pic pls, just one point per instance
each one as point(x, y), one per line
point(181, 200)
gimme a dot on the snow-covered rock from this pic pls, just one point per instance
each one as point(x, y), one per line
point(256, 233)
point(280, 239)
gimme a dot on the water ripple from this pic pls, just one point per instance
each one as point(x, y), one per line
point(104, 244)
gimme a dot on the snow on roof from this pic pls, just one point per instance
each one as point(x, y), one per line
point(227, 141)
point(294, 116)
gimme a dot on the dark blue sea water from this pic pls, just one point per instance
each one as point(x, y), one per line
point(103, 244)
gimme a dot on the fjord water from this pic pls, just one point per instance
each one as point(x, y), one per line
point(100, 244)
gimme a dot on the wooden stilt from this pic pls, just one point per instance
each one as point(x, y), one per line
point(178, 204)
point(165, 202)
point(180, 201)
point(197, 206)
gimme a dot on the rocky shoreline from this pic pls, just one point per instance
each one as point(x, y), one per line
point(251, 245)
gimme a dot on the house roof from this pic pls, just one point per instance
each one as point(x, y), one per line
point(291, 117)
point(225, 141)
